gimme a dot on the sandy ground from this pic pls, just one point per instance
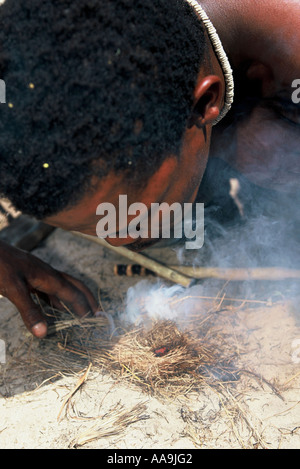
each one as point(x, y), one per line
point(260, 410)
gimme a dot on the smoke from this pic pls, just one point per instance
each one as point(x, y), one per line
point(245, 227)
point(153, 300)
point(148, 301)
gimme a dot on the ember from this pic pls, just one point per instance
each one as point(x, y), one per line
point(183, 361)
point(160, 352)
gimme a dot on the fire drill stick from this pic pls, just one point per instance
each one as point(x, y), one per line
point(236, 274)
point(239, 274)
point(129, 270)
point(156, 267)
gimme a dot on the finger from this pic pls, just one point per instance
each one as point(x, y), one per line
point(85, 290)
point(56, 284)
point(55, 303)
point(50, 300)
point(30, 312)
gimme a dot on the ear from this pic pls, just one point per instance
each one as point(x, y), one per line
point(208, 101)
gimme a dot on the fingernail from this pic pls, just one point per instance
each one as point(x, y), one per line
point(39, 330)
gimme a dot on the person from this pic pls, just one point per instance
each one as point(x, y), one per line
point(122, 97)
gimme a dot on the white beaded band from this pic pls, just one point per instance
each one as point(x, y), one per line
point(222, 57)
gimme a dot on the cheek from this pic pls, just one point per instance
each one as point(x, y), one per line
point(185, 186)
point(195, 151)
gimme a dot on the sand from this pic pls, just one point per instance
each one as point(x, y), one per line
point(259, 410)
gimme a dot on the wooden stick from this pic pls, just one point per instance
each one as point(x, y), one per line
point(183, 275)
point(239, 274)
point(262, 273)
point(156, 267)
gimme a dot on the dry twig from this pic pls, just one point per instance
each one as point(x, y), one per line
point(116, 423)
point(151, 264)
point(78, 385)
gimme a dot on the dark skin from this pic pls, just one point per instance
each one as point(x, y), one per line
point(268, 44)
point(263, 46)
point(34, 276)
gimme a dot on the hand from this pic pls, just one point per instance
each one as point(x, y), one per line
point(22, 274)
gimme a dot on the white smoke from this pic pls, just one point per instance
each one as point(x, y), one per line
point(258, 241)
point(152, 300)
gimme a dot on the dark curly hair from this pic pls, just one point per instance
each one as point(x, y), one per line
point(92, 86)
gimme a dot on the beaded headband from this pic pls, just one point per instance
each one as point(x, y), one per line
point(222, 57)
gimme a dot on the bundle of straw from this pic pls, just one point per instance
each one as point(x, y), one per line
point(160, 358)
point(176, 371)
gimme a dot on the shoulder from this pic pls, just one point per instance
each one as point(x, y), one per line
point(275, 36)
point(273, 20)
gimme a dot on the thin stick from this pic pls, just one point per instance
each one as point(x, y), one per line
point(111, 426)
point(291, 379)
point(79, 383)
point(183, 275)
point(230, 274)
point(69, 323)
point(261, 378)
point(156, 267)
point(239, 300)
point(134, 375)
point(239, 274)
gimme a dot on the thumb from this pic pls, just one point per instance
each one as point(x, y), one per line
point(30, 313)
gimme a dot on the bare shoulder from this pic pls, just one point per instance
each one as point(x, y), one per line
point(274, 18)
point(275, 35)
point(269, 10)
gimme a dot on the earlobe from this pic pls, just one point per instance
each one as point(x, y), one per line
point(208, 101)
